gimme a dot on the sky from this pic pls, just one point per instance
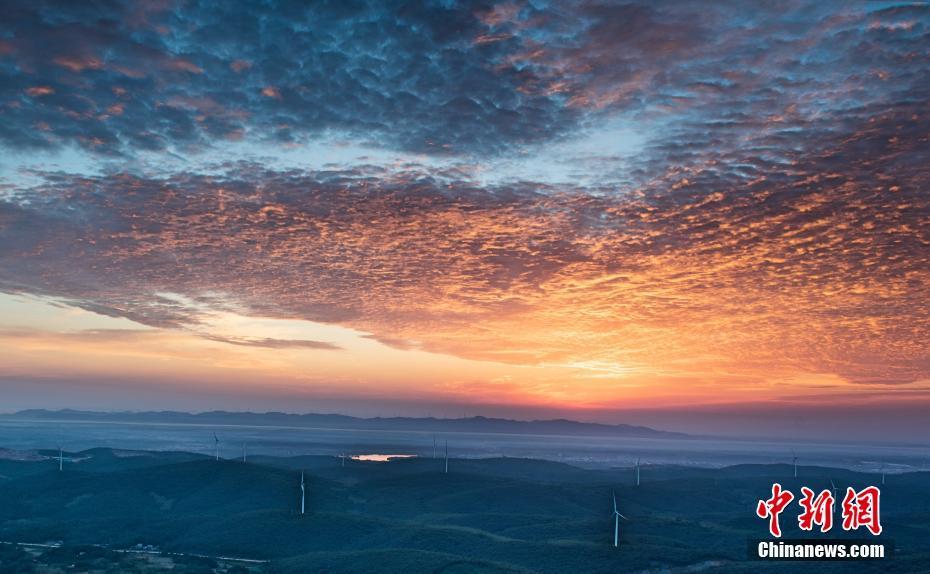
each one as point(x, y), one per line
point(623, 212)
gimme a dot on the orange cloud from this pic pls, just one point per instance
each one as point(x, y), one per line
point(78, 64)
point(184, 65)
point(671, 294)
point(271, 92)
point(38, 91)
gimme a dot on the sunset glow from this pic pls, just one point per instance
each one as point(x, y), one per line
point(579, 209)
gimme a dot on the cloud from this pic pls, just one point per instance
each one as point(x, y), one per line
point(188, 74)
point(733, 267)
point(773, 221)
point(272, 343)
point(463, 79)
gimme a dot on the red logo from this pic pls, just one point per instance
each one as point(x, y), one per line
point(816, 510)
point(859, 509)
point(773, 507)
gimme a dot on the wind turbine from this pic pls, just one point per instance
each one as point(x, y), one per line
point(617, 517)
point(343, 457)
point(303, 494)
point(833, 488)
point(794, 461)
point(883, 473)
point(637, 472)
point(447, 457)
point(61, 460)
point(216, 446)
point(434, 446)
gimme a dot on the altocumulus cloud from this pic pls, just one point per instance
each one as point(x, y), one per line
point(444, 78)
point(811, 269)
point(776, 219)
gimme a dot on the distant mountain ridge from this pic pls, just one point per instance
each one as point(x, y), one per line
point(476, 424)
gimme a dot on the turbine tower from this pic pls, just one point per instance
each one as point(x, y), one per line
point(617, 517)
point(343, 457)
point(833, 488)
point(794, 462)
point(637, 472)
point(883, 473)
point(303, 494)
point(61, 460)
point(434, 446)
point(243, 452)
point(447, 457)
point(216, 446)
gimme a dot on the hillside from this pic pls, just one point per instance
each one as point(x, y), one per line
point(561, 427)
point(498, 515)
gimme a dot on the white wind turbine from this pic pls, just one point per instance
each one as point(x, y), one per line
point(637, 472)
point(61, 459)
point(447, 457)
point(617, 517)
point(303, 494)
point(243, 452)
point(216, 446)
point(883, 473)
point(794, 462)
point(343, 457)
